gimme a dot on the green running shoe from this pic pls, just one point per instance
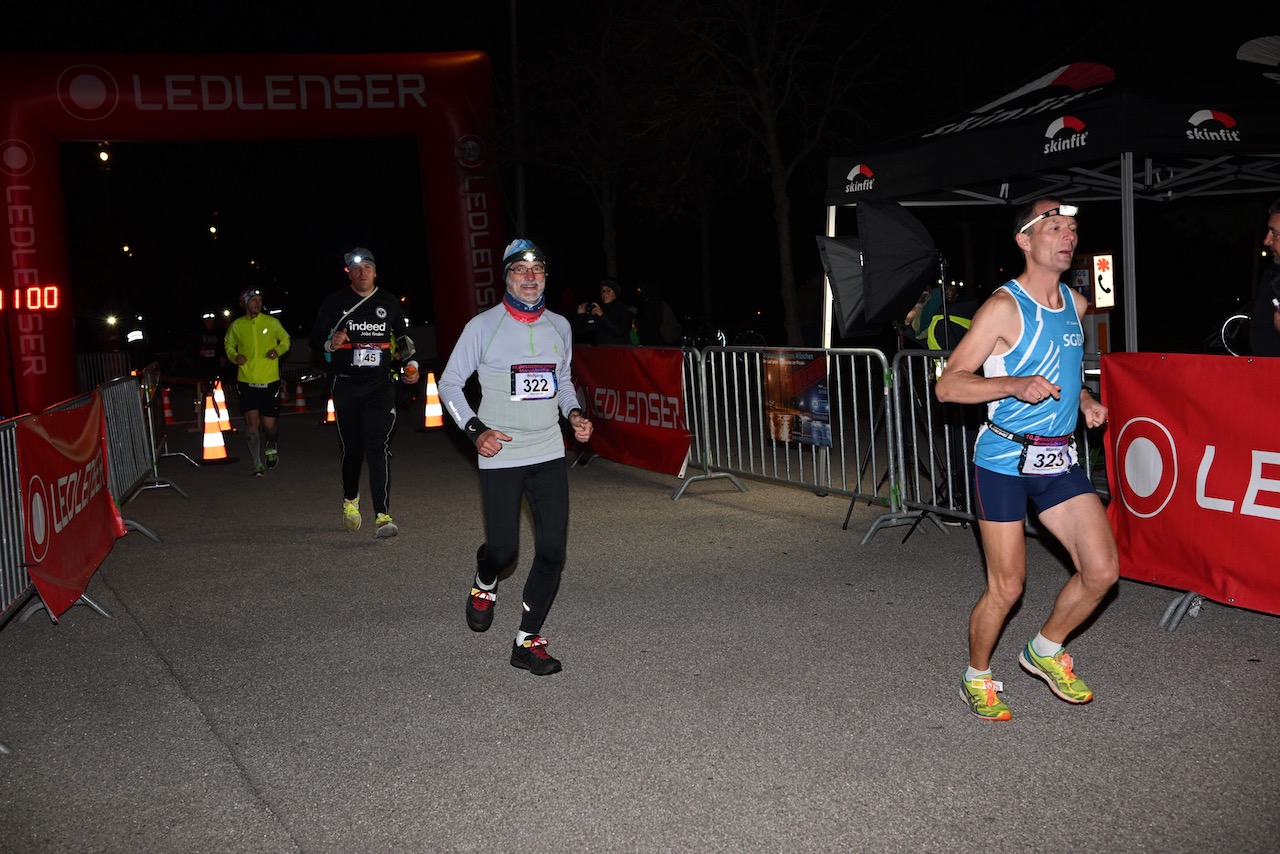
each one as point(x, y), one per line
point(351, 513)
point(386, 528)
point(984, 705)
point(1057, 672)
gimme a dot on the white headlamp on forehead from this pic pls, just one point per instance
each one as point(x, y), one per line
point(1060, 210)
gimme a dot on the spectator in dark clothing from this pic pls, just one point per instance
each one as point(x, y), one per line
point(656, 323)
point(1264, 327)
point(607, 322)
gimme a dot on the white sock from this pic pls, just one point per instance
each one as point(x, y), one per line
point(479, 585)
point(521, 637)
point(1042, 646)
point(970, 674)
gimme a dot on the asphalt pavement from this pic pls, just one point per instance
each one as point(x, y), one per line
point(740, 675)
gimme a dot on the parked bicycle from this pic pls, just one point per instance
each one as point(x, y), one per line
point(1231, 337)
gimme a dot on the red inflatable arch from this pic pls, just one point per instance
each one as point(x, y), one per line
point(444, 100)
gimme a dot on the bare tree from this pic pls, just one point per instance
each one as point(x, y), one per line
point(698, 97)
point(585, 94)
point(783, 75)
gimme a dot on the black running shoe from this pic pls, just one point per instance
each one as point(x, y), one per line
point(273, 457)
point(480, 609)
point(532, 655)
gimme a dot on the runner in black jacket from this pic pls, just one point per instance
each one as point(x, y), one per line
point(361, 330)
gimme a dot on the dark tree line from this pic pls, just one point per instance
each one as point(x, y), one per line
point(672, 110)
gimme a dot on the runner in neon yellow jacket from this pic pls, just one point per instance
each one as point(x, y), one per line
point(254, 343)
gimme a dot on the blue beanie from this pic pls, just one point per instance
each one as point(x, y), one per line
point(521, 249)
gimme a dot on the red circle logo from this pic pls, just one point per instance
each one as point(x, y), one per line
point(16, 157)
point(88, 92)
point(38, 531)
point(1146, 466)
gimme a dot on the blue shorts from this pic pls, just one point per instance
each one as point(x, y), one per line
point(1003, 497)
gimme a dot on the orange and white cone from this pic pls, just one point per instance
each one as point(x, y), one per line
point(299, 399)
point(215, 450)
point(433, 415)
point(168, 407)
point(219, 398)
point(330, 416)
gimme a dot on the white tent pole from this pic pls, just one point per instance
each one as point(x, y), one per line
point(826, 285)
point(1130, 253)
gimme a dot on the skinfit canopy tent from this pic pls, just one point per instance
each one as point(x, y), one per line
point(1200, 118)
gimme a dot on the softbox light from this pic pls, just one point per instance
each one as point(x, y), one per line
point(842, 261)
point(877, 277)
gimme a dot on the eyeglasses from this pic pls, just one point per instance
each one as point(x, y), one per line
point(1060, 210)
point(524, 270)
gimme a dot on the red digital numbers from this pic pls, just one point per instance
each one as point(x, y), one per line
point(36, 298)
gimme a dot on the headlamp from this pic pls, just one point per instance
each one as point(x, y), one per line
point(359, 255)
point(1060, 210)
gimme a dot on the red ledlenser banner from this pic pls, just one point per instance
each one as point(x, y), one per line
point(1194, 466)
point(634, 398)
point(70, 519)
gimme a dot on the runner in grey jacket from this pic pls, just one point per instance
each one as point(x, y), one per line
point(522, 355)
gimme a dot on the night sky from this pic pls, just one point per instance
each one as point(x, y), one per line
point(291, 208)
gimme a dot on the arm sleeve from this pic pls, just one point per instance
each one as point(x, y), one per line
point(568, 395)
point(463, 362)
point(282, 340)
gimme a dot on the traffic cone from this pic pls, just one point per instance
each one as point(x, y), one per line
point(433, 415)
point(330, 417)
point(168, 407)
point(299, 399)
point(215, 450)
point(219, 398)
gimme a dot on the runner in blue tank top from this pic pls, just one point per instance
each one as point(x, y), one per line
point(1028, 343)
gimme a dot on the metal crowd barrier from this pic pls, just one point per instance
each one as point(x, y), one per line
point(93, 369)
point(38, 604)
point(131, 468)
point(694, 391)
point(15, 584)
point(740, 430)
point(934, 447)
point(933, 444)
point(131, 441)
point(887, 439)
